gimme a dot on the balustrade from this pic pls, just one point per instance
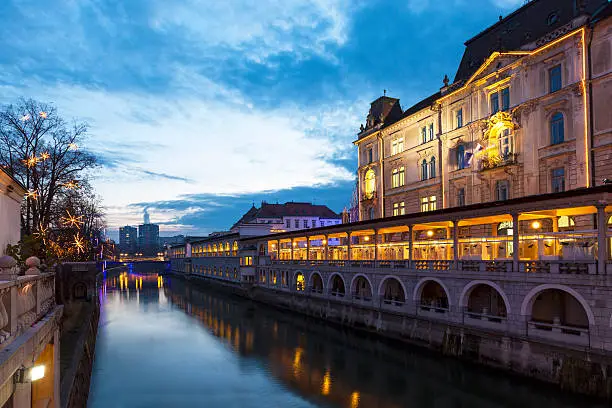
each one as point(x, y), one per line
point(23, 301)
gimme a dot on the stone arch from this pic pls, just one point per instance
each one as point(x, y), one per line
point(359, 290)
point(336, 285)
point(299, 280)
point(467, 290)
point(395, 293)
point(315, 282)
point(530, 298)
point(418, 290)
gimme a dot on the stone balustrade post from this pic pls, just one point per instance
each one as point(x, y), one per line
point(515, 242)
point(13, 309)
point(602, 241)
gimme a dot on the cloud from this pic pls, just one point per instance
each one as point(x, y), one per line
point(257, 29)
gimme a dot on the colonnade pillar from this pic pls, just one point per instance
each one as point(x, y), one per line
point(456, 243)
point(602, 240)
point(409, 244)
point(515, 242)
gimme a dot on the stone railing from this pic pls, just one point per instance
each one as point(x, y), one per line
point(563, 267)
point(24, 300)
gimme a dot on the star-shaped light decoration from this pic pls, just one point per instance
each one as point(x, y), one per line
point(78, 243)
point(71, 220)
point(31, 161)
point(25, 117)
point(44, 156)
point(32, 194)
point(73, 146)
point(41, 233)
point(43, 115)
point(71, 185)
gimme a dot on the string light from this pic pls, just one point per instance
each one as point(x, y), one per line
point(41, 233)
point(44, 156)
point(32, 194)
point(78, 243)
point(73, 146)
point(43, 115)
point(31, 161)
point(71, 185)
point(72, 220)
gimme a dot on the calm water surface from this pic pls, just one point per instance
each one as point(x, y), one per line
point(167, 343)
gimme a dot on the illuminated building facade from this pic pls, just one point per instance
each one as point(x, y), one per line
point(289, 216)
point(527, 113)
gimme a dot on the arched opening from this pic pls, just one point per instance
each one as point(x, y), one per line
point(316, 283)
point(433, 297)
point(432, 168)
point(486, 303)
point(393, 292)
point(424, 169)
point(369, 185)
point(337, 286)
point(362, 289)
point(235, 249)
point(558, 310)
point(300, 282)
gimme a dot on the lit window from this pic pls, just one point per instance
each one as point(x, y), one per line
point(494, 103)
point(397, 146)
point(554, 78)
point(432, 168)
point(505, 99)
point(506, 144)
point(459, 117)
point(431, 131)
point(398, 177)
point(433, 203)
point(424, 171)
point(558, 180)
point(399, 208)
point(501, 190)
point(369, 184)
point(460, 155)
point(556, 129)
point(424, 204)
point(461, 197)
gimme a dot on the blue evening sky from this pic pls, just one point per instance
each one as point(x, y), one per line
point(198, 108)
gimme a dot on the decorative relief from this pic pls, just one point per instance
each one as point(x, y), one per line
point(553, 35)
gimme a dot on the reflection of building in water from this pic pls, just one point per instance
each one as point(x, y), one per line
point(327, 364)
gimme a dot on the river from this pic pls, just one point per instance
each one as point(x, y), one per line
point(163, 342)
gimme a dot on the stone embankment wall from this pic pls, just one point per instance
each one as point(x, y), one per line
point(572, 368)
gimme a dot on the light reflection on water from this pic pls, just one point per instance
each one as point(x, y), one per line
point(167, 343)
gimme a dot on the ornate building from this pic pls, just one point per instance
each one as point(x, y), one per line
point(527, 114)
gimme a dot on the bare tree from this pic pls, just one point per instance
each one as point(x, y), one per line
point(41, 150)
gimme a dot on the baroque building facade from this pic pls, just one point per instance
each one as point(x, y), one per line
point(527, 113)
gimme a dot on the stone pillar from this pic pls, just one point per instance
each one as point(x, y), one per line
point(409, 245)
point(515, 242)
point(348, 246)
point(22, 396)
point(325, 247)
point(555, 224)
point(456, 243)
point(375, 245)
point(602, 240)
point(307, 248)
point(291, 244)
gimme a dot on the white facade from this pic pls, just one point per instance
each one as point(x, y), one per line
point(11, 195)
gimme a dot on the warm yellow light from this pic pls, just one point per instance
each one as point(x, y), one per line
point(37, 372)
point(326, 386)
point(536, 225)
point(355, 399)
point(366, 238)
point(430, 233)
point(323, 242)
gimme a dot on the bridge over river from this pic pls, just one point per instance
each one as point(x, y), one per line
point(164, 342)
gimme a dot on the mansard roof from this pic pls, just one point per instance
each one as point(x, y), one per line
point(290, 209)
point(525, 25)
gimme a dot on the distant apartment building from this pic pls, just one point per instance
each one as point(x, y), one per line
point(173, 240)
point(289, 216)
point(148, 239)
point(527, 113)
point(128, 240)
